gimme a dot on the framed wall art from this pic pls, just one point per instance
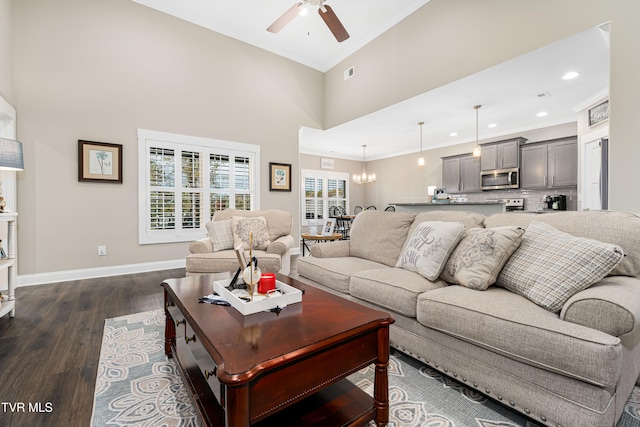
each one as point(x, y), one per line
point(279, 177)
point(599, 113)
point(99, 162)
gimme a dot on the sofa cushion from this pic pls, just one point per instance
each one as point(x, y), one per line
point(246, 230)
point(220, 234)
point(612, 306)
point(334, 273)
point(395, 289)
point(511, 325)
point(618, 228)
point(480, 255)
point(429, 247)
point(379, 235)
point(550, 266)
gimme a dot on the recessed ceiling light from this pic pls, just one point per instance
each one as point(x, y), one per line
point(541, 114)
point(492, 125)
point(453, 134)
point(570, 75)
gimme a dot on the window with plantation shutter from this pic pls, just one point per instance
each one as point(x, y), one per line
point(184, 180)
point(321, 191)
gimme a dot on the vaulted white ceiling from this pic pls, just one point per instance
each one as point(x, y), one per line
point(511, 94)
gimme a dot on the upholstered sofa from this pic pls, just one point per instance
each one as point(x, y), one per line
point(271, 235)
point(572, 365)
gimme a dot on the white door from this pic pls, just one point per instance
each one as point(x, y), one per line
point(593, 166)
point(591, 170)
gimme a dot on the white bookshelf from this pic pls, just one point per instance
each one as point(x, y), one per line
point(8, 305)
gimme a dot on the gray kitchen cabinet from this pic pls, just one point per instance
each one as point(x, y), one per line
point(501, 155)
point(451, 174)
point(551, 164)
point(563, 164)
point(461, 173)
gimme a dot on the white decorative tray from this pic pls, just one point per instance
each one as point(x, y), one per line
point(289, 295)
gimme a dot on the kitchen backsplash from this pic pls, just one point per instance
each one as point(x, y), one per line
point(531, 197)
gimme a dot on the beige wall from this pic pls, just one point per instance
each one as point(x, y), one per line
point(449, 39)
point(6, 52)
point(99, 70)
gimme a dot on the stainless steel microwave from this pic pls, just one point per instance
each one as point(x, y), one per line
point(500, 178)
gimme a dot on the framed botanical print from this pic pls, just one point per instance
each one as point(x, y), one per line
point(279, 177)
point(99, 162)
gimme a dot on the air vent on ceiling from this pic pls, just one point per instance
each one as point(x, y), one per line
point(544, 95)
point(349, 72)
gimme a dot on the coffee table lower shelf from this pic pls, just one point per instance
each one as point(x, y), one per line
point(340, 404)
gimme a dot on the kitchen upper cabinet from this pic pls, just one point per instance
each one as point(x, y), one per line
point(501, 155)
point(461, 173)
point(451, 174)
point(549, 165)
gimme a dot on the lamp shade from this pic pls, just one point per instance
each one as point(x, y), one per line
point(11, 155)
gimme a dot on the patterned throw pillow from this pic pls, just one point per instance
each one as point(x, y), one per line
point(550, 266)
point(220, 235)
point(430, 246)
point(243, 227)
point(480, 255)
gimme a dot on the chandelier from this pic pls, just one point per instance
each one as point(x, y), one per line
point(364, 178)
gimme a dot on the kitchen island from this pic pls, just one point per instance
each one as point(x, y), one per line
point(484, 208)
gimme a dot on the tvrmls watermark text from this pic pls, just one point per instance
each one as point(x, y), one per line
point(41, 407)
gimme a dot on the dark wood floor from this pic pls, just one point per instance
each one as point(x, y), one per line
point(49, 351)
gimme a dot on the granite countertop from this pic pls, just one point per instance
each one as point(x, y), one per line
point(444, 204)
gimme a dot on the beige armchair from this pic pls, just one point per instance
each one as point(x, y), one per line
point(227, 228)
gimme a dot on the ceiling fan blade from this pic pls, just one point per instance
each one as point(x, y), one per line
point(334, 24)
point(285, 18)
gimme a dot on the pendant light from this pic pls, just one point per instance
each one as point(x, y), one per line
point(421, 158)
point(364, 178)
point(477, 151)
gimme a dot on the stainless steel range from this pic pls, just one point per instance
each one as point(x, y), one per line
point(516, 204)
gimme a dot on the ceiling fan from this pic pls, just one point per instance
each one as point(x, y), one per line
point(328, 16)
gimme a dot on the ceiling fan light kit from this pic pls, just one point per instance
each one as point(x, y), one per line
point(325, 11)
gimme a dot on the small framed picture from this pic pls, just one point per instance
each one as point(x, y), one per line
point(329, 225)
point(99, 162)
point(279, 177)
point(599, 113)
point(242, 260)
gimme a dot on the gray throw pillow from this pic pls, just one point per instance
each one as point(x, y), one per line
point(550, 266)
point(220, 235)
point(246, 228)
point(477, 260)
point(429, 247)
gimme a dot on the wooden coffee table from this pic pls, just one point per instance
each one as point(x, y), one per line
point(286, 368)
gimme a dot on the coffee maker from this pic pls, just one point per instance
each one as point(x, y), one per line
point(559, 202)
point(556, 202)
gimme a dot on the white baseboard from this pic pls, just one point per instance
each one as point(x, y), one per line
point(90, 273)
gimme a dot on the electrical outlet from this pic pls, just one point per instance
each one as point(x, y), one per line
point(102, 250)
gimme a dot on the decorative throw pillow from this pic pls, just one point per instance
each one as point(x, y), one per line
point(242, 228)
point(550, 266)
point(220, 235)
point(480, 255)
point(430, 246)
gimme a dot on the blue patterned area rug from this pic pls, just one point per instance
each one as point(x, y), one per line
point(138, 386)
